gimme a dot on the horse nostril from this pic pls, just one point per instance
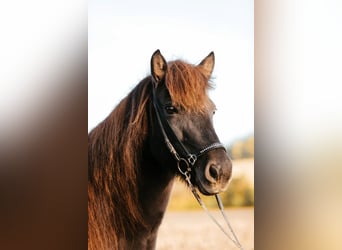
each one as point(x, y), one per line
point(214, 172)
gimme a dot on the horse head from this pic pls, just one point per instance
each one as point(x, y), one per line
point(184, 114)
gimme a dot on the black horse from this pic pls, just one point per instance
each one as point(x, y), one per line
point(163, 128)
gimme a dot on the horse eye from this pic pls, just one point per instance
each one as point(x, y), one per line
point(170, 109)
point(214, 111)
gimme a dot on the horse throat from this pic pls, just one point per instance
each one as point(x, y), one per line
point(154, 192)
point(155, 187)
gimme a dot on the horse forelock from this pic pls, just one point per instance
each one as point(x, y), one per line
point(187, 86)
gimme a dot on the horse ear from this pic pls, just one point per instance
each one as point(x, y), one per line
point(207, 64)
point(158, 66)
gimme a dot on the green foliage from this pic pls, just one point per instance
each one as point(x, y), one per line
point(240, 193)
point(242, 148)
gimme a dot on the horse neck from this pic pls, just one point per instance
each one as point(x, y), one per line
point(154, 190)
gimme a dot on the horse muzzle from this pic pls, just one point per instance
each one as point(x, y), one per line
point(214, 177)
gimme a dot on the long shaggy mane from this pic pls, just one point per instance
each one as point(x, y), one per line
point(115, 154)
point(114, 148)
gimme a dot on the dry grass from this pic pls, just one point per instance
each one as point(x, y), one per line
point(195, 230)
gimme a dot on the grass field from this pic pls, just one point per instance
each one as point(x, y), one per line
point(195, 230)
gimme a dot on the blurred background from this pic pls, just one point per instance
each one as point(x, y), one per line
point(44, 123)
point(122, 37)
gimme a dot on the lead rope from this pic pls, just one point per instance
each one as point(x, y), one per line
point(191, 159)
point(219, 202)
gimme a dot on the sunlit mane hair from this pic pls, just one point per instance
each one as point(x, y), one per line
point(113, 154)
point(187, 86)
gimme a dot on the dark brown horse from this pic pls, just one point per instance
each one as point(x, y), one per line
point(161, 129)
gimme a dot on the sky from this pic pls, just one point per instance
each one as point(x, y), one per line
point(123, 35)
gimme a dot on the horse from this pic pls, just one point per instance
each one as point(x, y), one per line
point(161, 130)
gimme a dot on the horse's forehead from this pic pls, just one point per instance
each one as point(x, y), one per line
point(197, 107)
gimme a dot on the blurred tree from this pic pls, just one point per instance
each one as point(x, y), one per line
point(249, 147)
point(237, 150)
point(242, 148)
point(239, 193)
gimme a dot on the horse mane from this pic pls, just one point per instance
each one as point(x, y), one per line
point(115, 154)
point(187, 86)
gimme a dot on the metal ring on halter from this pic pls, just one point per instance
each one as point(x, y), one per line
point(185, 164)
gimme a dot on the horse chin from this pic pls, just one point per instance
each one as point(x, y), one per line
point(209, 189)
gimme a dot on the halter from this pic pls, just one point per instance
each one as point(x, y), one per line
point(186, 161)
point(177, 148)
